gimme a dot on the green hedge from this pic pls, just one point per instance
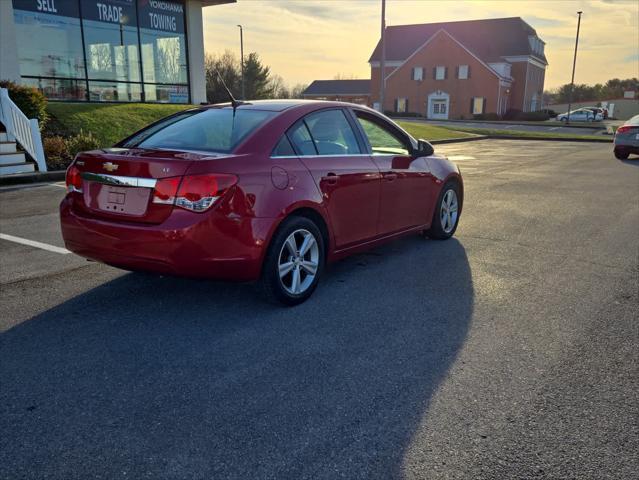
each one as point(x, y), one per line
point(28, 99)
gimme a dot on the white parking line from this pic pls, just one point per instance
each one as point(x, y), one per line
point(33, 243)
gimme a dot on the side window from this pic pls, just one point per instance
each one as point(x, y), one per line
point(332, 133)
point(382, 141)
point(301, 139)
point(283, 148)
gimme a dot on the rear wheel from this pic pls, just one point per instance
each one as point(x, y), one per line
point(621, 154)
point(294, 262)
point(447, 212)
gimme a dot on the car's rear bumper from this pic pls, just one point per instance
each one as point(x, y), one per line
point(187, 244)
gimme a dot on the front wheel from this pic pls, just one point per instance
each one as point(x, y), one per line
point(294, 262)
point(447, 212)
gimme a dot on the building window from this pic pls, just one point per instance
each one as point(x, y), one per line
point(440, 73)
point(90, 49)
point(477, 105)
point(462, 72)
point(418, 73)
point(400, 105)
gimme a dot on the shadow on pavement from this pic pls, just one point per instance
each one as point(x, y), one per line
point(149, 377)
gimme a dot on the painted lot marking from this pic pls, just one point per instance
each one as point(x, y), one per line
point(457, 158)
point(33, 243)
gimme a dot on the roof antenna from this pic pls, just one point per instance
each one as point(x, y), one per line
point(234, 103)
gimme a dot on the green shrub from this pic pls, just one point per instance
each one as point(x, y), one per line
point(28, 99)
point(56, 152)
point(81, 143)
point(486, 116)
point(533, 116)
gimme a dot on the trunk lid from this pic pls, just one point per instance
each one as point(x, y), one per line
point(119, 183)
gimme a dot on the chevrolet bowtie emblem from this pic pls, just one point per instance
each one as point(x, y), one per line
point(110, 167)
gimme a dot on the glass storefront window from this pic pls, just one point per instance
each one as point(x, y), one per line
point(49, 38)
point(104, 50)
point(166, 93)
point(59, 88)
point(163, 41)
point(111, 39)
point(115, 92)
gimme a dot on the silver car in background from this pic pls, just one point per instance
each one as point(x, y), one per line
point(627, 139)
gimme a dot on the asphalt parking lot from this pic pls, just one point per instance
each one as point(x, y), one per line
point(509, 351)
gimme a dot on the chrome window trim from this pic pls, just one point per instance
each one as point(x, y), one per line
point(338, 155)
point(119, 181)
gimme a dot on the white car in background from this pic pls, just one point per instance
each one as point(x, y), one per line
point(581, 115)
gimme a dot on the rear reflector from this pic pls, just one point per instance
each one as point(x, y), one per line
point(196, 193)
point(73, 179)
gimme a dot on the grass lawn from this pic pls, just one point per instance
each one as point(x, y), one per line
point(432, 132)
point(108, 122)
point(528, 134)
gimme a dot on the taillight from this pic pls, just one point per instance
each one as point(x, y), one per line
point(73, 179)
point(164, 191)
point(624, 129)
point(196, 192)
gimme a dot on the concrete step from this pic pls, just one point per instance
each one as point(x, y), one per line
point(8, 169)
point(8, 147)
point(11, 158)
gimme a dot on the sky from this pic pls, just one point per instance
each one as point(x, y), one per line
point(306, 40)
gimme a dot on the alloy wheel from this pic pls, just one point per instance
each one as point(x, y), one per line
point(298, 261)
point(449, 211)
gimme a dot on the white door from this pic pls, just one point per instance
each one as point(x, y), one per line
point(438, 108)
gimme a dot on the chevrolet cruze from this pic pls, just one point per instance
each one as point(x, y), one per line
point(266, 191)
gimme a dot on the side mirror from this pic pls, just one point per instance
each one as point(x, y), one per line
point(424, 149)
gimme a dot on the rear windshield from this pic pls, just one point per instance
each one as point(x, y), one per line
point(209, 130)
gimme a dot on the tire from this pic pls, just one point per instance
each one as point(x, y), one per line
point(438, 229)
point(285, 289)
point(621, 155)
point(564, 119)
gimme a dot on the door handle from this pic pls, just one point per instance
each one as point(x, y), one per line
point(390, 176)
point(331, 178)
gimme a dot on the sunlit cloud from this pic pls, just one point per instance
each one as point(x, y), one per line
point(318, 39)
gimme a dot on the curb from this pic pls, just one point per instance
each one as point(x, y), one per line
point(37, 177)
point(552, 139)
point(459, 140)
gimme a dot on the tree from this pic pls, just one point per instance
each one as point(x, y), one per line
point(228, 67)
point(613, 88)
point(298, 89)
point(256, 77)
point(279, 88)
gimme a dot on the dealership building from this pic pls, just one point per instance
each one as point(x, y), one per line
point(106, 50)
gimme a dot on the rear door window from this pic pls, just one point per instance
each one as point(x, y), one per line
point(332, 133)
point(301, 139)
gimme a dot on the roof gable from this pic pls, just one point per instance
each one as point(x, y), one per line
point(488, 39)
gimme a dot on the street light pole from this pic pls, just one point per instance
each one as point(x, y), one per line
point(382, 63)
point(574, 63)
point(242, 57)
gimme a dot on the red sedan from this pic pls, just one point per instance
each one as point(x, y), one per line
point(267, 190)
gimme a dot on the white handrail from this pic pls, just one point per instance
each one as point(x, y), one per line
point(25, 131)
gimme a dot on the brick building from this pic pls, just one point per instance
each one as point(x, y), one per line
point(458, 69)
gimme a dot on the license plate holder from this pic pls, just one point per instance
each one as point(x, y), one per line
point(119, 200)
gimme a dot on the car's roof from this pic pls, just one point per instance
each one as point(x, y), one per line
point(279, 105)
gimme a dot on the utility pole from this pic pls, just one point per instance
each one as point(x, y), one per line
point(574, 63)
point(382, 63)
point(242, 58)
